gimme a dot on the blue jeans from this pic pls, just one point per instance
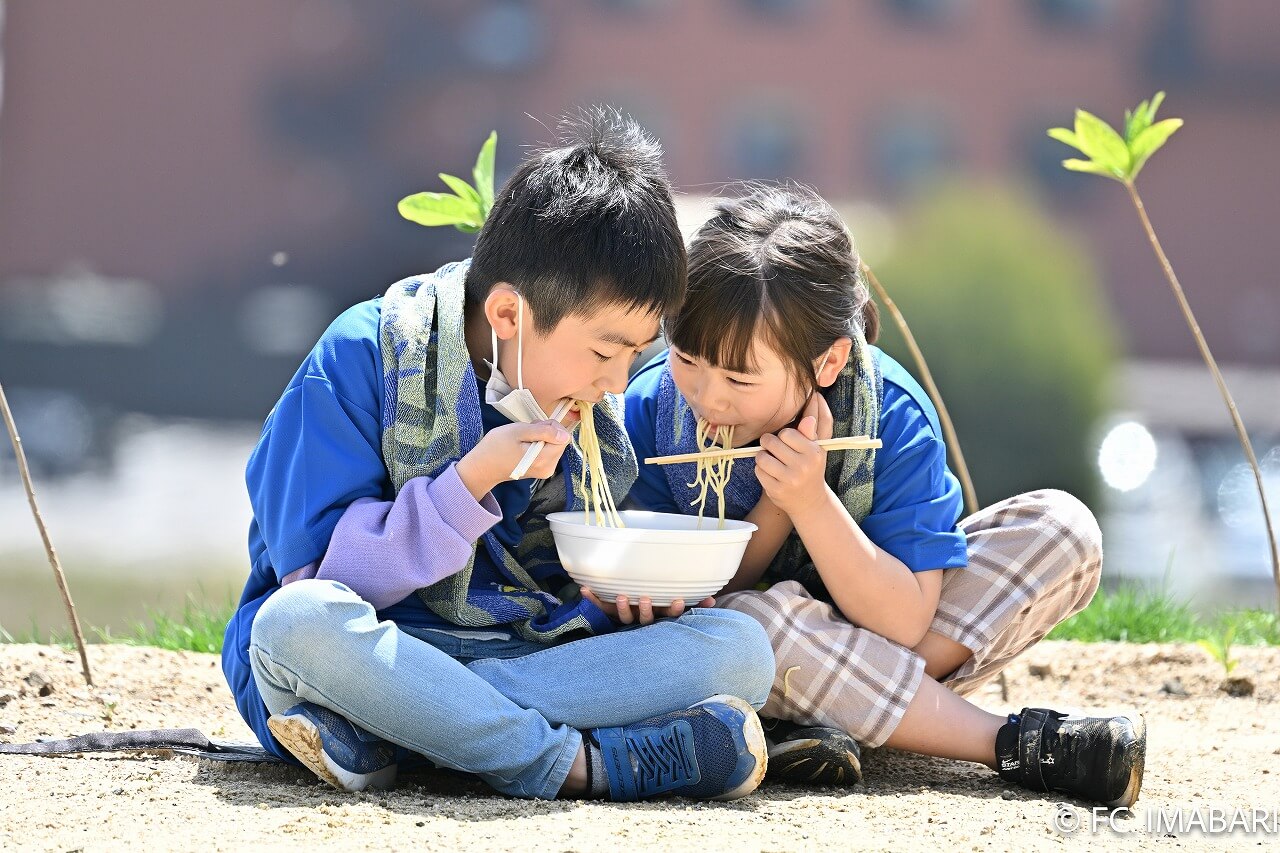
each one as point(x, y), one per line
point(505, 709)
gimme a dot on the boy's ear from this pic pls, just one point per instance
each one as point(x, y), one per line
point(502, 309)
point(834, 361)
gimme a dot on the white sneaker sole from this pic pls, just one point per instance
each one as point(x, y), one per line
point(753, 735)
point(1131, 791)
point(301, 737)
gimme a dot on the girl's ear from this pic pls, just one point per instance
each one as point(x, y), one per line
point(833, 362)
point(502, 309)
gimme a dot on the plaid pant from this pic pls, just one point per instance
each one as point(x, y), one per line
point(1034, 560)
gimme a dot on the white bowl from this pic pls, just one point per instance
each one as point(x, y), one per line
point(659, 554)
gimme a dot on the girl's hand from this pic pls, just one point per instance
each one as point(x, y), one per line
point(620, 611)
point(818, 409)
point(792, 467)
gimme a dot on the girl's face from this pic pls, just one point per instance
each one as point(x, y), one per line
point(761, 401)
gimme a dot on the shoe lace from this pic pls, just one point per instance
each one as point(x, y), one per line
point(663, 760)
point(1063, 742)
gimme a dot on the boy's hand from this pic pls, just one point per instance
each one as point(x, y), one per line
point(500, 450)
point(792, 467)
point(620, 611)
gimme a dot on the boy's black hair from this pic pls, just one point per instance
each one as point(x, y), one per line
point(584, 225)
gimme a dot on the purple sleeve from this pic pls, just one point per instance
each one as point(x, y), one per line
point(385, 550)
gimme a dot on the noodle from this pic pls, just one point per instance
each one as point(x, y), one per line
point(713, 474)
point(595, 485)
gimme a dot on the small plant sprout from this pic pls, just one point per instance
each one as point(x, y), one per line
point(109, 704)
point(1121, 158)
point(467, 207)
point(1218, 645)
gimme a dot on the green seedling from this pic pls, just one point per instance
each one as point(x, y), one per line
point(467, 207)
point(1121, 158)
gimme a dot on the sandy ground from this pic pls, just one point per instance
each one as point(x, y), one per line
point(1206, 750)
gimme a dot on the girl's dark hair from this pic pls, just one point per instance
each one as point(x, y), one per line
point(585, 225)
point(778, 263)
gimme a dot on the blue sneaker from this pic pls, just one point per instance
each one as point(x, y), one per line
point(712, 751)
point(342, 754)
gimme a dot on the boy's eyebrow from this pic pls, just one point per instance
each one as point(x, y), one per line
point(623, 340)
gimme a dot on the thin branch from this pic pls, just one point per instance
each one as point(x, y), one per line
point(44, 534)
point(1217, 377)
point(948, 429)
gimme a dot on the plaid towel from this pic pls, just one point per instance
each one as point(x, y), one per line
point(432, 418)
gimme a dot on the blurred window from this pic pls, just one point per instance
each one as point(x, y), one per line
point(1072, 14)
point(911, 146)
point(504, 35)
point(1173, 49)
point(633, 7)
point(926, 11)
point(765, 142)
point(777, 9)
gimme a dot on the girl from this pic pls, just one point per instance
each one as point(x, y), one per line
point(885, 609)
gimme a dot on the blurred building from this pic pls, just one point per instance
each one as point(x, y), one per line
point(189, 192)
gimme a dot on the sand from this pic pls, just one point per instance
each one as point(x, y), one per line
point(1206, 750)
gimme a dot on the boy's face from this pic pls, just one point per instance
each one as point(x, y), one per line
point(582, 358)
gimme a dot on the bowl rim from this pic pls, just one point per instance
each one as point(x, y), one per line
point(569, 523)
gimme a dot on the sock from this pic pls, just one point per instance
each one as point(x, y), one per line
point(597, 776)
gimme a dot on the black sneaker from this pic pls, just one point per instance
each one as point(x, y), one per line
point(1092, 758)
point(812, 755)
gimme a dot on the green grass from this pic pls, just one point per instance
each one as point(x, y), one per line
point(1129, 613)
point(1134, 614)
point(197, 628)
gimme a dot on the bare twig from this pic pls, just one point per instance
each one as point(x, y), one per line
point(948, 429)
point(44, 534)
point(1217, 376)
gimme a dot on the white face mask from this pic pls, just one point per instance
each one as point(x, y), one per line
point(518, 404)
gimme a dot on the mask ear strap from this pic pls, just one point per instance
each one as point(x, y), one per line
point(493, 343)
point(825, 357)
point(520, 343)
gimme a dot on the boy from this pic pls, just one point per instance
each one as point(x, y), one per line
point(405, 600)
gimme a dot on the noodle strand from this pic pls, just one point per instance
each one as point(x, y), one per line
point(712, 474)
point(597, 498)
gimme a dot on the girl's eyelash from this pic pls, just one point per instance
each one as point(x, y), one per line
point(601, 357)
point(738, 382)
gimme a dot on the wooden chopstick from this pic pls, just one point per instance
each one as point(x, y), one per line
point(851, 442)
